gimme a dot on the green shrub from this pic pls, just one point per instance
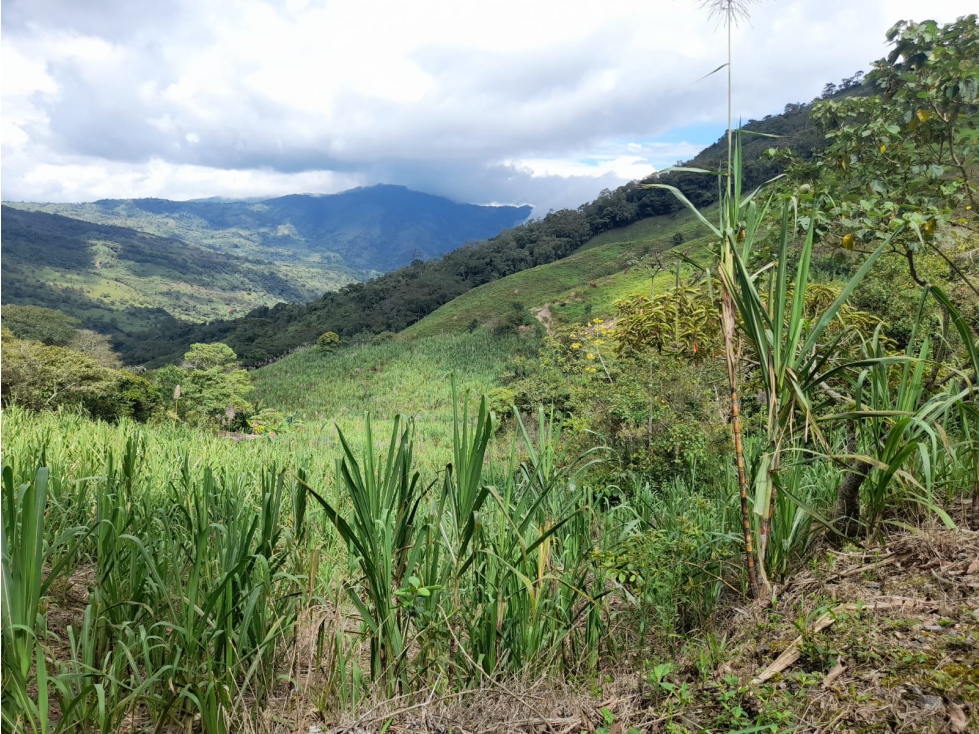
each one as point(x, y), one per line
point(328, 342)
point(382, 338)
point(40, 377)
point(214, 391)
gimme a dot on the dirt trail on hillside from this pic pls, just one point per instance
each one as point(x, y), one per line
point(543, 314)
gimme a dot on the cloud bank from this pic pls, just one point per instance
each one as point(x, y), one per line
point(509, 102)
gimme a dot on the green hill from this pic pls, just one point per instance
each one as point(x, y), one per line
point(609, 266)
point(119, 280)
point(386, 378)
point(364, 231)
point(624, 219)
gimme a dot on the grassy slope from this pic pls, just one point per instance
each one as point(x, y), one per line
point(411, 374)
point(386, 380)
point(599, 273)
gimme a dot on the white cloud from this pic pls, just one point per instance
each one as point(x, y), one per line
point(624, 167)
point(545, 102)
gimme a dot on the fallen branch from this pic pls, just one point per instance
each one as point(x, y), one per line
point(792, 652)
point(888, 560)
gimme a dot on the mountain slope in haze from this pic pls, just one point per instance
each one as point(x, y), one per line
point(120, 281)
point(366, 230)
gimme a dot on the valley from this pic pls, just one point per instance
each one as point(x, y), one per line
point(125, 267)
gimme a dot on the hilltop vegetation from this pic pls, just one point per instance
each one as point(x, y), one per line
point(586, 284)
point(364, 231)
point(121, 281)
point(125, 266)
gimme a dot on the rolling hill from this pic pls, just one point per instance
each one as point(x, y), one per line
point(364, 231)
point(633, 220)
point(118, 280)
point(397, 300)
point(126, 266)
point(614, 264)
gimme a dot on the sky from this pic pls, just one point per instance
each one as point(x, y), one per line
point(541, 102)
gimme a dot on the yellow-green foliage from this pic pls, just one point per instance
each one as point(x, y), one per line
point(388, 379)
point(41, 377)
point(328, 341)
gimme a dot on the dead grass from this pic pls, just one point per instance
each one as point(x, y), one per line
point(901, 654)
point(898, 651)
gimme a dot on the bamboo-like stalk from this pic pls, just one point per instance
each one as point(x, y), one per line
point(727, 321)
point(730, 9)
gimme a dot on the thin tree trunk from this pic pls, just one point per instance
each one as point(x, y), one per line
point(975, 505)
point(975, 493)
point(847, 520)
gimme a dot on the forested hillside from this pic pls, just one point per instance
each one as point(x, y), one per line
point(366, 231)
point(396, 300)
point(121, 281)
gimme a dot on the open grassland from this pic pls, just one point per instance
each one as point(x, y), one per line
point(411, 379)
point(610, 266)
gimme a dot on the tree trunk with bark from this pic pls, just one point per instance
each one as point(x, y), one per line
point(847, 519)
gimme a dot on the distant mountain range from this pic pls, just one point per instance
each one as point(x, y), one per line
point(121, 265)
point(366, 230)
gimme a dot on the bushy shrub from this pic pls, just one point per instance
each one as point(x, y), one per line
point(673, 567)
point(657, 413)
point(328, 342)
point(45, 325)
point(382, 338)
point(41, 377)
point(516, 316)
point(215, 390)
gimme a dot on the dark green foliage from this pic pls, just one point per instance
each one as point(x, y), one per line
point(906, 156)
point(139, 397)
point(656, 413)
point(44, 325)
point(516, 317)
point(384, 336)
point(41, 377)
